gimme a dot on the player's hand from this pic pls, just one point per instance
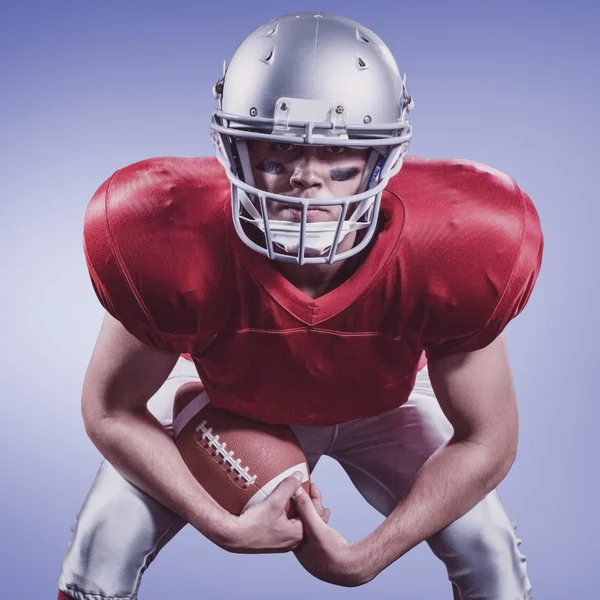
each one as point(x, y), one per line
point(265, 527)
point(324, 552)
point(315, 496)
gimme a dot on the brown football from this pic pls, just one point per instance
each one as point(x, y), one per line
point(239, 462)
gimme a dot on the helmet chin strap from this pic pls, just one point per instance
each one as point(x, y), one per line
point(319, 236)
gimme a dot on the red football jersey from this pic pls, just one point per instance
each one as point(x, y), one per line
point(455, 261)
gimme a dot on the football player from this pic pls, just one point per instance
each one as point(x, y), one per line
point(314, 283)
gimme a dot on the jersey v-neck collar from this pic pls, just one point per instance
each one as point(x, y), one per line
point(313, 311)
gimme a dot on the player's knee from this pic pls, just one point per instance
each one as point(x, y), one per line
point(482, 555)
point(485, 537)
point(110, 530)
point(480, 548)
point(108, 549)
point(117, 533)
point(485, 564)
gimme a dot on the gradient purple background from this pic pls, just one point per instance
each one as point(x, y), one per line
point(89, 87)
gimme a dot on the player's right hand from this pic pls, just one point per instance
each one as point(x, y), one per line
point(266, 527)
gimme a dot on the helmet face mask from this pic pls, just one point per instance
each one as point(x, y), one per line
point(349, 93)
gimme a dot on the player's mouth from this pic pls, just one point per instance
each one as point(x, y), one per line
point(313, 215)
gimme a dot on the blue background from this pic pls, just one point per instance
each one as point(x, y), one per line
point(88, 87)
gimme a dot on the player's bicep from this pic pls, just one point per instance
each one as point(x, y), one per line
point(123, 373)
point(476, 392)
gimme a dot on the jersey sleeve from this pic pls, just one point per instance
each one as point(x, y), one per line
point(154, 257)
point(109, 275)
point(510, 254)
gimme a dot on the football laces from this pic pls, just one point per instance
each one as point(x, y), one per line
point(225, 457)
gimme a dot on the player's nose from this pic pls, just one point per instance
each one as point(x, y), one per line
point(308, 170)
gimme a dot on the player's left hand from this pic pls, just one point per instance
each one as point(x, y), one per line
point(323, 552)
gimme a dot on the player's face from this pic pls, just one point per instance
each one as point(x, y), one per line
point(323, 172)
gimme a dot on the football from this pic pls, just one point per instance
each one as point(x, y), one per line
point(238, 461)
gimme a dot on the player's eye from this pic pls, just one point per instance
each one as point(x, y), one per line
point(335, 149)
point(284, 147)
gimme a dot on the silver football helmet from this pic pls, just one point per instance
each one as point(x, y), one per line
point(317, 79)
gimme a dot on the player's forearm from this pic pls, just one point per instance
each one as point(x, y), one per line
point(137, 445)
point(452, 481)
